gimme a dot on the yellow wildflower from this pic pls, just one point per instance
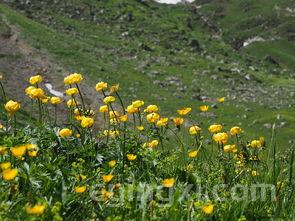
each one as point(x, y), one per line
point(194, 130)
point(215, 128)
point(204, 108)
point(137, 103)
point(114, 88)
point(131, 157)
point(162, 122)
point(152, 117)
point(235, 130)
point(5, 165)
point(103, 109)
point(178, 121)
point(107, 178)
point(230, 148)
point(255, 144)
point(193, 154)
point(18, 151)
point(221, 99)
point(9, 174)
point(35, 79)
point(131, 110)
point(106, 195)
point(101, 86)
point(80, 189)
point(72, 91)
point(168, 182)
point(112, 163)
point(12, 107)
point(220, 138)
point(151, 109)
point(87, 122)
point(66, 132)
point(184, 111)
point(208, 209)
point(55, 100)
point(37, 209)
point(73, 79)
point(71, 103)
point(109, 99)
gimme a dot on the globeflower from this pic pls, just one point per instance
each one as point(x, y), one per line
point(9, 174)
point(106, 195)
point(87, 122)
point(204, 108)
point(103, 109)
point(123, 118)
point(137, 103)
point(215, 128)
point(37, 209)
point(80, 189)
point(107, 178)
point(72, 91)
point(109, 99)
point(152, 117)
point(208, 209)
point(12, 107)
point(66, 132)
point(114, 88)
point(5, 165)
point(151, 109)
point(112, 163)
point(35, 79)
point(37, 93)
point(101, 86)
point(131, 157)
point(255, 144)
point(230, 148)
point(71, 103)
point(153, 144)
point(193, 154)
point(220, 138)
point(221, 99)
point(235, 130)
point(178, 121)
point(193, 130)
point(184, 111)
point(18, 151)
point(162, 122)
point(73, 79)
point(55, 100)
point(168, 182)
point(131, 110)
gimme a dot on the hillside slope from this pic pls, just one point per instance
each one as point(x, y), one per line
point(169, 55)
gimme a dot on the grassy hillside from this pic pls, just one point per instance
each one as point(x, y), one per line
point(168, 55)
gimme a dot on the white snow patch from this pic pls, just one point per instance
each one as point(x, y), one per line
point(252, 40)
point(52, 91)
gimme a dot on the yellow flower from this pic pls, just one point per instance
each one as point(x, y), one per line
point(112, 163)
point(230, 148)
point(37, 93)
point(152, 117)
point(29, 90)
point(254, 173)
point(1, 126)
point(221, 99)
point(73, 79)
point(255, 144)
point(123, 118)
point(168, 182)
point(208, 209)
point(106, 195)
point(80, 189)
point(87, 122)
point(109, 99)
point(194, 130)
point(66, 132)
point(37, 209)
point(220, 138)
point(101, 86)
point(193, 154)
point(184, 111)
point(235, 130)
point(72, 91)
point(45, 100)
point(162, 122)
point(204, 108)
point(111, 133)
point(151, 109)
point(33, 153)
point(18, 151)
point(140, 128)
point(262, 141)
point(107, 178)
point(9, 174)
point(113, 114)
point(131, 110)
point(12, 107)
point(114, 88)
point(5, 165)
point(131, 157)
point(3, 150)
point(104, 109)
point(215, 128)
point(178, 121)
point(71, 103)
point(153, 144)
point(35, 79)
point(137, 103)
point(55, 100)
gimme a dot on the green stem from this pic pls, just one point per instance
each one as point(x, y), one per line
point(83, 104)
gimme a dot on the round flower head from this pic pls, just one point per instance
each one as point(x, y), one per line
point(151, 109)
point(12, 107)
point(215, 128)
point(35, 79)
point(72, 91)
point(87, 122)
point(101, 86)
point(9, 174)
point(194, 130)
point(107, 178)
point(66, 132)
point(55, 100)
point(204, 108)
point(37, 209)
point(184, 111)
point(131, 110)
point(137, 103)
point(193, 154)
point(168, 182)
point(80, 189)
point(109, 99)
point(220, 138)
point(152, 117)
point(37, 93)
point(235, 130)
point(131, 157)
point(73, 79)
point(114, 88)
point(178, 121)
